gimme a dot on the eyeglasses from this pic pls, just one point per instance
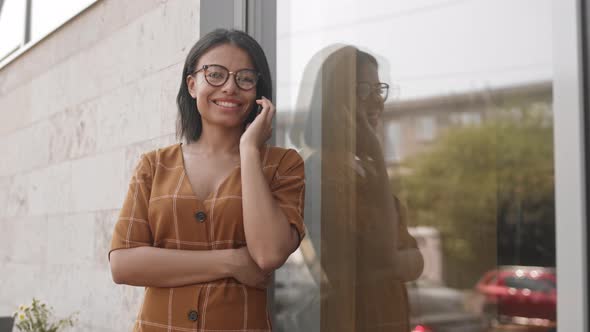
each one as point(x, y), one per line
point(365, 89)
point(217, 75)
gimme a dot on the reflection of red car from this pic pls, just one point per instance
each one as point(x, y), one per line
point(521, 294)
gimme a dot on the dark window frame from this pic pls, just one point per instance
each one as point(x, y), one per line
point(584, 17)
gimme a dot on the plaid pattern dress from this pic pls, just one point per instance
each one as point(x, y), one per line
point(161, 210)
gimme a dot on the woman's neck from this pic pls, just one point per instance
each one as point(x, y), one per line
point(216, 140)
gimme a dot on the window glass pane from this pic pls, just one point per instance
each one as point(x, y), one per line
point(49, 15)
point(426, 207)
point(426, 127)
point(12, 26)
point(393, 142)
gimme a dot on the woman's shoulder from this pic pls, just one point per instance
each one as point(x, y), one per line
point(284, 161)
point(279, 155)
point(169, 155)
point(276, 150)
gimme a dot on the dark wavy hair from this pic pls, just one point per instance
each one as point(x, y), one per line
point(188, 122)
point(333, 71)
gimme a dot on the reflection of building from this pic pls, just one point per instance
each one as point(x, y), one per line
point(412, 125)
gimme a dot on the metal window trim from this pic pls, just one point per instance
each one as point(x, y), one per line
point(28, 23)
point(258, 19)
point(570, 171)
point(260, 23)
point(227, 14)
point(261, 18)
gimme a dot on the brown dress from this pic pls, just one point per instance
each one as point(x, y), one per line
point(362, 226)
point(161, 210)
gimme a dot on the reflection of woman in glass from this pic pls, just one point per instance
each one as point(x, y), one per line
point(359, 229)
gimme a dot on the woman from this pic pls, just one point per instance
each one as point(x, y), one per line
point(205, 223)
point(360, 227)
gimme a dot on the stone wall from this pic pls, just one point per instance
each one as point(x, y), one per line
point(76, 111)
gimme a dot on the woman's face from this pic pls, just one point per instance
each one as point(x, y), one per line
point(373, 105)
point(226, 105)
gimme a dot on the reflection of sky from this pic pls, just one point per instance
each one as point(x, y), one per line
point(46, 15)
point(432, 47)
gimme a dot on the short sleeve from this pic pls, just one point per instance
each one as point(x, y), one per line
point(132, 228)
point(288, 189)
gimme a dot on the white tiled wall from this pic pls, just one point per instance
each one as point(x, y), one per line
point(76, 111)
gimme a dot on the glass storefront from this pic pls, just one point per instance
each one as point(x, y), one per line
point(427, 131)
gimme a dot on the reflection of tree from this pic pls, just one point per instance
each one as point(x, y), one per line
point(489, 190)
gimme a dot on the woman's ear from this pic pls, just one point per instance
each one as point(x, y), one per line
point(190, 83)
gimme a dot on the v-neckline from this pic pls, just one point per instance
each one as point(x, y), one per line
point(214, 192)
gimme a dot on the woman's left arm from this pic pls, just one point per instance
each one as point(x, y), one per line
point(269, 235)
point(407, 258)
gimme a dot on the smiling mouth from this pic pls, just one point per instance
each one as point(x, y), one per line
point(226, 104)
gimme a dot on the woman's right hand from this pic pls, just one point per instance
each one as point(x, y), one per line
point(247, 272)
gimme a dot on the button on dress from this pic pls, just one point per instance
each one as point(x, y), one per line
point(161, 210)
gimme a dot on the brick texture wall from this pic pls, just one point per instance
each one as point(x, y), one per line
point(76, 111)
